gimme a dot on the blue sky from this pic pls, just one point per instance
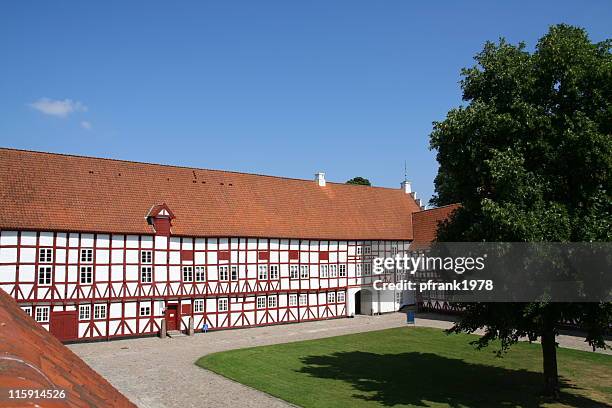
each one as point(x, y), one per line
point(284, 88)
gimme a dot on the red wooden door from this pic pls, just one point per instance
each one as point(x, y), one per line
point(64, 325)
point(172, 317)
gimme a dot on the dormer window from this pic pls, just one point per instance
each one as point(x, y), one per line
point(160, 217)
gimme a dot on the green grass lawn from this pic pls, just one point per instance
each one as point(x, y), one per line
point(412, 366)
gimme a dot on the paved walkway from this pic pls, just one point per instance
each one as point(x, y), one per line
point(161, 373)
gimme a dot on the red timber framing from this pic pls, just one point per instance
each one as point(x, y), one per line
point(222, 282)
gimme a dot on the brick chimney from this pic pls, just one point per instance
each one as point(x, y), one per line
point(320, 179)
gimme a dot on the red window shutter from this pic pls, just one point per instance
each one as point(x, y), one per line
point(323, 256)
point(293, 255)
point(186, 255)
point(186, 309)
point(224, 255)
point(264, 255)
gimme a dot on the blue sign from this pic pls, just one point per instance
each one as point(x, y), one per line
point(205, 328)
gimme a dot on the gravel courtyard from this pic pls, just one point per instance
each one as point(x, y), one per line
point(161, 373)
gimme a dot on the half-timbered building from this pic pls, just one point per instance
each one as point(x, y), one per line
point(96, 248)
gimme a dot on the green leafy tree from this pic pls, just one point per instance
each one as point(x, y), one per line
point(359, 181)
point(530, 159)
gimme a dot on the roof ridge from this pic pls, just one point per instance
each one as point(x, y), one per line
point(183, 167)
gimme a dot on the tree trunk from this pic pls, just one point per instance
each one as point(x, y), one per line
point(549, 352)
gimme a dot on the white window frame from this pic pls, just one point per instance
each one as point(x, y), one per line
point(45, 275)
point(304, 272)
point(272, 301)
point(146, 274)
point(222, 305)
point(324, 272)
point(274, 274)
point(293, 299)
point(86, 275)
point(198, 306)
point(234, 273)
point(86, 255)
point(200, 273)
point(331, 297)
point(84, 312)
point(223, 273)
point(341, 297)
point(367, 269)
point(146, 256)
point(294, 272)
point(187, 273)
point(145, 311)
point(99, 312)
point(358, 250)
point(358, 268)
point(27, 310)
point(303, 299)
point(342, 270)
point(333, 271)
point(262, 272)
point(42, 314)
point(45, 255)
point(261, 302)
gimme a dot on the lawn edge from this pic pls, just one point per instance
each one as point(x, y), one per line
point(291, 404)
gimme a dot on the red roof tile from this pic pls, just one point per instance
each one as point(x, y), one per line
point(45, 191)
point(32, 358)
point(425, 224)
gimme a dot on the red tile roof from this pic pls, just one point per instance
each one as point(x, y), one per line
point(425, 224)
point(45, 191)
point(32, 358)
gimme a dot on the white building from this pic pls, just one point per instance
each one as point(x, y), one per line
point(97, 248)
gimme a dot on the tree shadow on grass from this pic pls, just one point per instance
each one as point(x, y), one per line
point(422, 378)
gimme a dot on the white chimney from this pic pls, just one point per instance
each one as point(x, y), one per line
point(320, 179)
point(406, 186)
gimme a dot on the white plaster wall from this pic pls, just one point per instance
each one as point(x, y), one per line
point(117, 241)
point(8, 273)
point(8, 255)
point(27, 238)
point(26, 273)
point(26, 255)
